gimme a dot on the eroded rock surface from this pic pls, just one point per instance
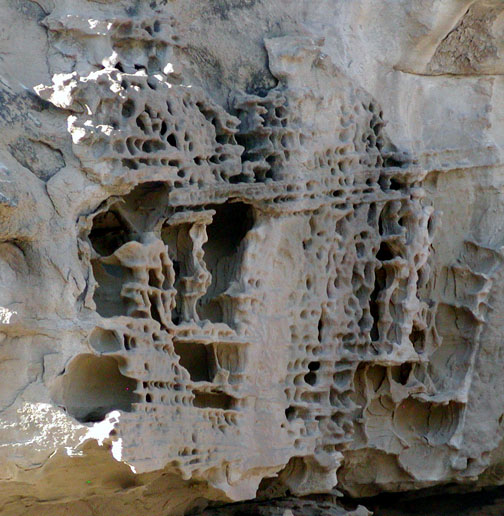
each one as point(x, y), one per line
point(224, 278)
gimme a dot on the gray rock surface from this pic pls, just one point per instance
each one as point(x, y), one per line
point(249, 249)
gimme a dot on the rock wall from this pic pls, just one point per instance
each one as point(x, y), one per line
point(250, 249)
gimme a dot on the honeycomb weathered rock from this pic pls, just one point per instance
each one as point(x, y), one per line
point(228, 284)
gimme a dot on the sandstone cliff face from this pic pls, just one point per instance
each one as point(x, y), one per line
point(250, 249)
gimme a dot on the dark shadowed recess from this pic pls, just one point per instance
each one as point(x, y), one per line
point(449, 500)
point(223, 253)
point(94, 386)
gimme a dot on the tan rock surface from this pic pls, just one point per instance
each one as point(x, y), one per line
point(223, 278)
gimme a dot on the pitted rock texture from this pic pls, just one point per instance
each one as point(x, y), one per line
point(224, 278)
